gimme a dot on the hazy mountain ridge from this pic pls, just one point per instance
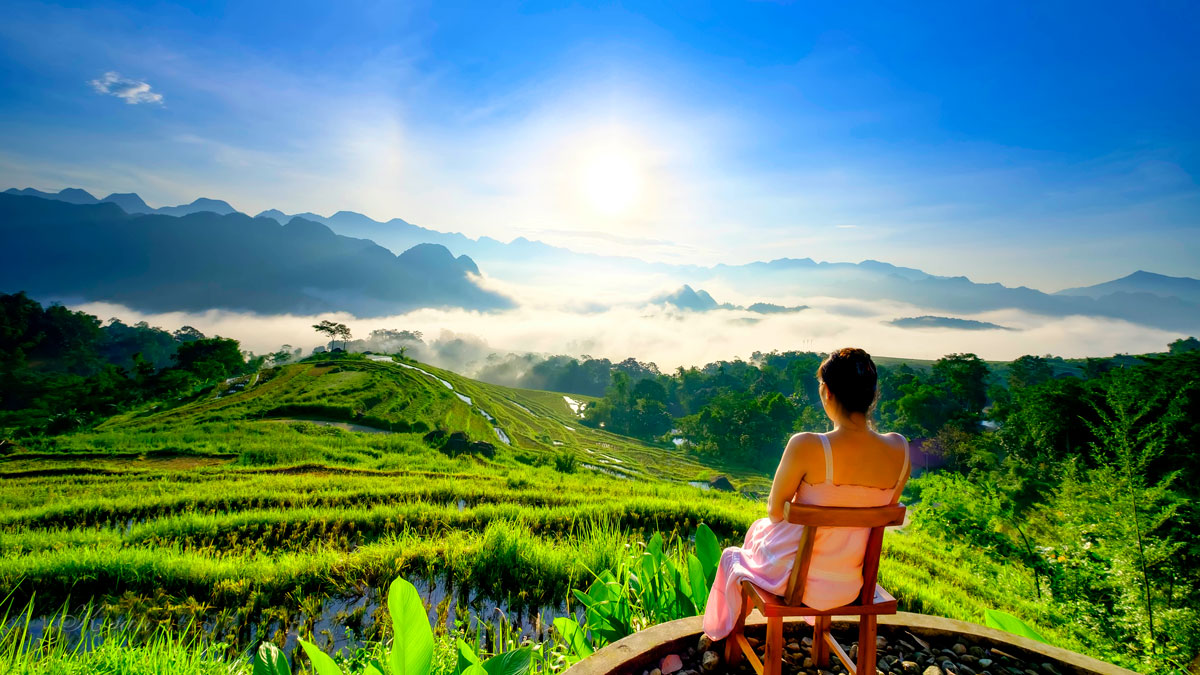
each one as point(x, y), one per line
point(692, 300)
point(200, 261)
point(1141, 281)
point(1169, 303)
point(945, 322)
point(130, 202)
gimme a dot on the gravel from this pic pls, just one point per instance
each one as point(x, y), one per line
point(900, 652)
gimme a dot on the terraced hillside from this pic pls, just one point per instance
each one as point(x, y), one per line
point(297, 413)
point(281, 505)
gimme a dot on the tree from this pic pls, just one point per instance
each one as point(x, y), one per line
point(211, 358)
point(1181, 345)
point(282, 355)
point(187, 334)
point(1130, 440)
point(333, 330)
point(1028, 371)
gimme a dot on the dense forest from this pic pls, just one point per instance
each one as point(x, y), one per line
point(61, 370)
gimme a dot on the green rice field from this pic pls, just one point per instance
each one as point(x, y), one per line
point(281, 506)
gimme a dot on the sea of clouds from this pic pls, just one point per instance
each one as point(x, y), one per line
point(462, 340)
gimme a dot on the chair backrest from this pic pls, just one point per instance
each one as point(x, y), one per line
point(813, 517)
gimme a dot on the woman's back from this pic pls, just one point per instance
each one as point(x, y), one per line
point(835, 574)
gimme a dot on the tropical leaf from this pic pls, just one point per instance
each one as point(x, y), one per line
point(1010, 624)
point(321, 661)
point(412, 638)
point(700, 585)
point(708, 551)
point(467, 657)
point(513, 662)
point(269, 660)
point(572, 634)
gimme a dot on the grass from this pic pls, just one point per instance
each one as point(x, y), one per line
point(200, 528)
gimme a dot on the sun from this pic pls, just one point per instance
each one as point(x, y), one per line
point(610, 180)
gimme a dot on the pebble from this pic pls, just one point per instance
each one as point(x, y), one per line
point(895, 656)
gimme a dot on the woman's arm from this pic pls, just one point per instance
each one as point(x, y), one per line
point(787, 478)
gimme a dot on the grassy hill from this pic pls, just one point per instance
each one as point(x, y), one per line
point(309, 412)
point(283, 503)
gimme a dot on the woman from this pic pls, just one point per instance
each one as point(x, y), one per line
point(849, 466)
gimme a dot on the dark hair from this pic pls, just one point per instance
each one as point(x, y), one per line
point(850, 376)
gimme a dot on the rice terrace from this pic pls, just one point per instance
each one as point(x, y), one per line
point(599, 338)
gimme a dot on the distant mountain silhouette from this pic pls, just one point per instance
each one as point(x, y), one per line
point(945, 322)
point(159, 263)
point(1184, 288)
point(130, 202)
point(691, 300)
point(199, 206)
point(69, 195)
point(768, 308)
point(1170, 303)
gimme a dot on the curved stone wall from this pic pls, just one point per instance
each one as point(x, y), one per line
point(642, 650)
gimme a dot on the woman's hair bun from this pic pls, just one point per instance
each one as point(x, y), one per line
point(850, 376)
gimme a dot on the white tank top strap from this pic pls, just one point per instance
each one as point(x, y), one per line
point(829, 458)
point(903, 473)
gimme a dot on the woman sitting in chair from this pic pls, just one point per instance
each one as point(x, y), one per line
point(852, 465)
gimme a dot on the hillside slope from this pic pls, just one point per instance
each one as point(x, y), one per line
point(405, 400)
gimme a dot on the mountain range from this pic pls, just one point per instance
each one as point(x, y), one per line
point(1168, 303)
point(205, 260)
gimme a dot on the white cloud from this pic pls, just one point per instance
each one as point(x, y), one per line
point(132, 91)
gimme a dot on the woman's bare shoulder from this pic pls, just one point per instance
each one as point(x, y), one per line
point(895, 439)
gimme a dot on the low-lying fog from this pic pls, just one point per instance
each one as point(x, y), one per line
point(461, 340)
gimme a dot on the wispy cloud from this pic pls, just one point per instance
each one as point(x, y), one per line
point(132, 91)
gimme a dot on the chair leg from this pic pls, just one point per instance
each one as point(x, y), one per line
point(774, 658)
point(733, 650)
point(867, 630)
point(820, 650)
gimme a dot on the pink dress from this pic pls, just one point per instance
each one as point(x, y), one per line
point(835, 574)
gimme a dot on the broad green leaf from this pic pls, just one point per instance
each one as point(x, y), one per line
point(1011, 624)
point(514, 662)
point(683, 594)
point(572, 634)
point(583, 598)
point(708, 551)
point(655, 548)
point(700, 585)
point(321, 661)
point(374, 668)
point(467, 657)
point(270, 661)
point(475, 670)
point(412, 638)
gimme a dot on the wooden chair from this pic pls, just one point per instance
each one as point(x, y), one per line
point(873, 601)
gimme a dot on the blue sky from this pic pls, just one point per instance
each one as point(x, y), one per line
point(1044, 144)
